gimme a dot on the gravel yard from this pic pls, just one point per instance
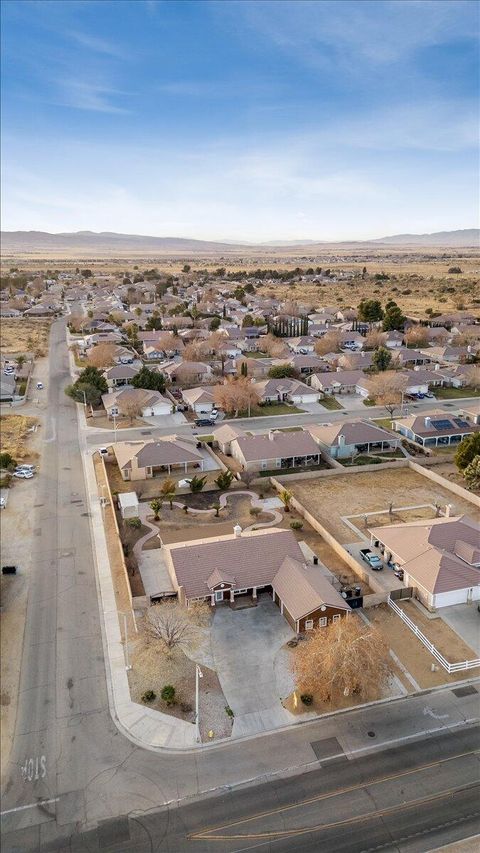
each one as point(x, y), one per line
point(329, 498)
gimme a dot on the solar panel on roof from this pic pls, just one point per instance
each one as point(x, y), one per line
point(461, 423)
point(441, 424)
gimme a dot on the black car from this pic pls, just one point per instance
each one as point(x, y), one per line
point(204, 422)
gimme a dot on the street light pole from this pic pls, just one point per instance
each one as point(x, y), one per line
point(114, 429)
point(198, 675)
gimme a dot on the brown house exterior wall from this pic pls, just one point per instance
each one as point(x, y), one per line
point(317, 614)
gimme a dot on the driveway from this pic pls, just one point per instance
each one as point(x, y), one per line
point(465, 621)
point(252, 667)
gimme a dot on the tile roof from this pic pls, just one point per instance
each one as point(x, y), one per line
point(277, 445)
point(429, 552)
point(304, 588)
point(253, 559)
point(165, 451)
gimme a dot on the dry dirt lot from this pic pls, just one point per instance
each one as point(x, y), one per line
point(329, 498)
point(21, 336)
point(15, 433)
point(412, 653)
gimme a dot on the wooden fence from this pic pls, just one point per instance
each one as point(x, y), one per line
point(450, 667)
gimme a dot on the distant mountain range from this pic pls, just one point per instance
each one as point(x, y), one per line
point(109, 243)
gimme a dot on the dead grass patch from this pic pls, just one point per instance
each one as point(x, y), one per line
point(329, 498)
point(21, 336)
point(15, 434)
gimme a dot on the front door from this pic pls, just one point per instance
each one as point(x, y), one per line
point(219, 595)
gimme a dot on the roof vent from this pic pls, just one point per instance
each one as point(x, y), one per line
point(428, 422)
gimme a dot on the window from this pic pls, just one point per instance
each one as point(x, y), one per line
point(264, 464)
point(336, 617)
point(322, 622)
point(308, 624)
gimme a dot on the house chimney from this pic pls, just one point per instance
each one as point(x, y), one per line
point(237, 530)
point(271, 434)
point(469, 348)
point(437, 367)
point(448, 510)
point(341, 441)
point(428, 422)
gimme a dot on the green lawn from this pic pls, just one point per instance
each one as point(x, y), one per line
point(330, 403)
point(368, 402)
point(454, 393)
point(255, 354)
point(271, 409)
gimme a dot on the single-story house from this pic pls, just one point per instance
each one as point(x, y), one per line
point(406, 357)
point(198, 399)
point(341, 440)
point(393, 339)
point(275, 450)
point(141, 460)
point(120, 374)
point(447, 354)
point(352, 360)
point(306, 597)
point(285, 390)
point(270, 561)
point(471, 412)
point(352, 340)
point(224, 434)
point(129, 401)
point(128, 504)
point(336, 382)
point(435, 428)
point(440, 558)
point(301, 345)
point(305, 364)
point(188, 371)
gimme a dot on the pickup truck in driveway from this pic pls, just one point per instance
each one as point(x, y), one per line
point(373, 561)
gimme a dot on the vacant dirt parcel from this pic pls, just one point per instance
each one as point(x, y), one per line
point(22, 336)
point(329, 498)
point(15, 432)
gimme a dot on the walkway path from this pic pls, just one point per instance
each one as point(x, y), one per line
point(145, 512)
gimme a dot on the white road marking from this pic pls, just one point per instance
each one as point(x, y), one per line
point(432, 713)
point(30, 806)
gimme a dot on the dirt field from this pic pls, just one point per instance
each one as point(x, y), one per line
point(412, 653)
point(22, 336)
point(329, 498)
point(15, 434)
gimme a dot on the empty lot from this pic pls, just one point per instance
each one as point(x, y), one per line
point(329, 498)
point(21, 336)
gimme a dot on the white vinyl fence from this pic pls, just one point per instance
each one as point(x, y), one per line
point(450, 667)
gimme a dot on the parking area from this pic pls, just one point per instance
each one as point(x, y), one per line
point(251, 665)
point(385, 578)
point(465, 621)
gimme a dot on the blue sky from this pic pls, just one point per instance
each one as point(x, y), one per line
point(240, 120)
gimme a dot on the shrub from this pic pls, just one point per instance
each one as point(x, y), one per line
point(168, 694)
point(229, 711)
point(306, 698)
point(7, 461)
point(185, 707)
point(296, 524)
point(149, 696)
point(134, 522)
point(255, 510)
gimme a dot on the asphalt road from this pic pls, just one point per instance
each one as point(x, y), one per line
point(73, 781)
point(95, 437)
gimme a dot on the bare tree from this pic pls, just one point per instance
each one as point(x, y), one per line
point(330, 342)
point(473, 376)
point(131, 408)
point(387, 388)
point(417, 336)
point(374, 339)
point(272, 346)
point(102, 355)
point(236, 395)
point(345, 658)
point(169, 623)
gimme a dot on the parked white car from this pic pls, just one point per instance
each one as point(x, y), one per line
point(26, 467)
point(23, 475)
point(39, 385)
